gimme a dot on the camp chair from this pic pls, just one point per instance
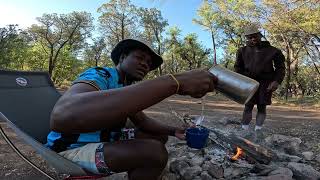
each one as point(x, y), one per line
point(26, 101)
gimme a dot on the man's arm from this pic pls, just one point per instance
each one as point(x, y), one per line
point(239, 64)
point(147, 124)
point(279, 67)
point(84, 109)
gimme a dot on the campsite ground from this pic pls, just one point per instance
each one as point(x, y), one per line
point(297, 121)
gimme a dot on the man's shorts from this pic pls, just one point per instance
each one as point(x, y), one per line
point(90, 157)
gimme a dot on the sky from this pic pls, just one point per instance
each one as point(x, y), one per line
point(178, 12)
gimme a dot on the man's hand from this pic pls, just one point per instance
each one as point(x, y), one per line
point(273, 86)
point(181, 132)
point(196, 83)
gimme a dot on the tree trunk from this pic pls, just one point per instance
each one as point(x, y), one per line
point(160, 70)
point(287, 85)
point(51, 62)
point(214, 49)
point(195, 61)
point(159, 52)
point(288, 63)
point(122, 27)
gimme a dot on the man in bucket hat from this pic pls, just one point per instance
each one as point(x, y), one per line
point(88, 121)
point(264, 63)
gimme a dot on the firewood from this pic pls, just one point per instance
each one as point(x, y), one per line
point(255, 151)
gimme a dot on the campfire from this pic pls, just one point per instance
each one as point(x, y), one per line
point(237, 155)
point(230, 156)
point(253, 152)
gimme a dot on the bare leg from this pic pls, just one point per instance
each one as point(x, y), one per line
point(144, 135)
point(139, 134)
point(247, 114)
point(141, 158)
point(261, 115)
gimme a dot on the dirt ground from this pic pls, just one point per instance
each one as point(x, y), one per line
point(302, 122)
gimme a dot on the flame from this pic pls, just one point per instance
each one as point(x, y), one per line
point(238, 154)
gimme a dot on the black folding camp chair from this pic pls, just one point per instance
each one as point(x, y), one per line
point(26, 101)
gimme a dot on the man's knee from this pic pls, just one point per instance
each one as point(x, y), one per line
point(261, 108)
point(248, 108)
point(140, 134)
point(157, 151)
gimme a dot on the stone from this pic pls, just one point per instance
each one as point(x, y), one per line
point(169, 176)
point(205, 151)
point(205, 166)
point(224, 121)
point(272, 177)
point(317, 158)
point(196, 161)
point(282, 171)
point(288, 158)
point(215, 170)
point(254, 178)
point(307, 155)
point(173, 152)
point(277, 177)
point(190, 155)
point(182, 158)
point(287, 144)
point(262, 169)
point(191, 172)
point(207, 157)
point(178, 165)
point(217, 159)
point(243, 165)
point(197, 178)
point(303, 171)
point(230, 173)
point(205, 176)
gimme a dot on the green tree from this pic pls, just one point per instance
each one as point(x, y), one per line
point(117, 21)
point(228, 19)
point(207, 19)
point(154, 25)
point(14, 45)
point(289, 29)
point(94, 54)
point(54, 32)
point(67, 68)
point(193, 52)
point(37, 60)
point(173, 62)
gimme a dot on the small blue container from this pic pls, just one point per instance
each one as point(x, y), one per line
point(197, 137)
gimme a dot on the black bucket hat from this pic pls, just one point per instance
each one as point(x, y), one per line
point(135, 44)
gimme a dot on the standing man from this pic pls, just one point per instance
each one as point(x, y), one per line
point(264, 63)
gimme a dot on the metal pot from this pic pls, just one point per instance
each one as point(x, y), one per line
point(234, 85)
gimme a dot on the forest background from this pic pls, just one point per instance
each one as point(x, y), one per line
point(64, 45)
